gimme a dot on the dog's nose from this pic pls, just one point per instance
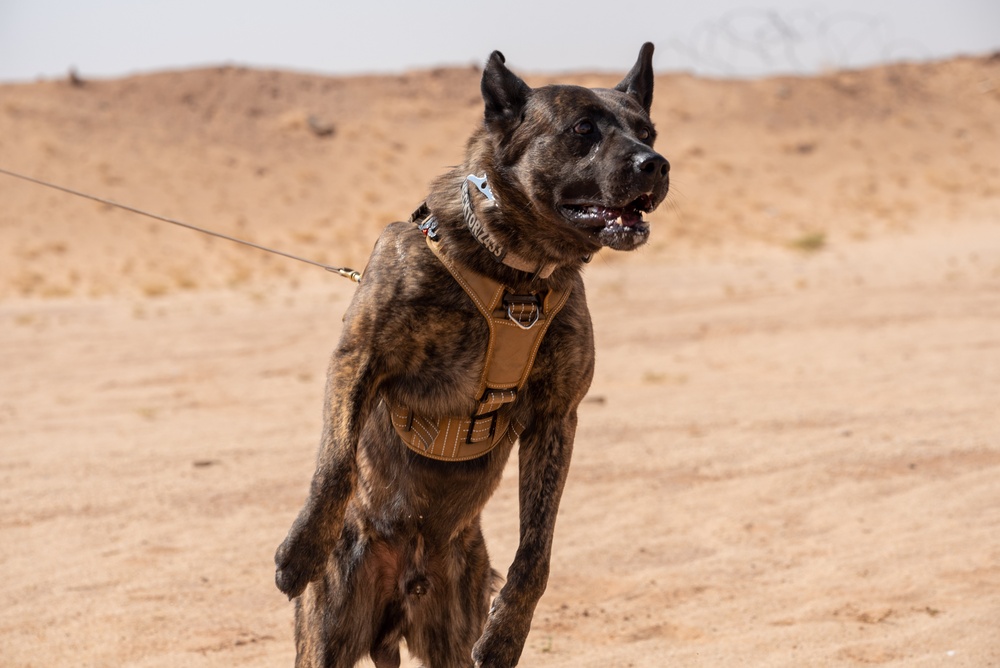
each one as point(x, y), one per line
point(652, 165)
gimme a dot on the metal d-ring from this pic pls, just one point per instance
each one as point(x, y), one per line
point(518, 322)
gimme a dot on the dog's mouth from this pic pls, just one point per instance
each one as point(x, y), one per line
point(621, 228)
point(586, 214)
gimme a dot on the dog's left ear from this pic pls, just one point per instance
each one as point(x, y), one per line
point(639, 81)
point(504, 93)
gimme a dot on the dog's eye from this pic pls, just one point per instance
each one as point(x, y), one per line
point(642, 134)
point(583, 128)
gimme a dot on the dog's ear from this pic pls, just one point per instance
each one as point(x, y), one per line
point(504, 93)
point(639, 81)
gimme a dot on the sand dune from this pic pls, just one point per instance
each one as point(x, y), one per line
point(790, 455)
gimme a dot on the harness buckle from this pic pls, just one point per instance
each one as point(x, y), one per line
point(429, 227)
point(474, 422)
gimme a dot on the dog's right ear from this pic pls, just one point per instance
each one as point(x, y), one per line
point(504, 93)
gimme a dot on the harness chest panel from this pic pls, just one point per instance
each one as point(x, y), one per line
point(517, 325)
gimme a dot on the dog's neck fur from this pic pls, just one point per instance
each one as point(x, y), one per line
point(483, 236)
point(445, 202)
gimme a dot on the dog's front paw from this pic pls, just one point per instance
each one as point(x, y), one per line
point(495, 651)
point(503, 639)
point(298, 561)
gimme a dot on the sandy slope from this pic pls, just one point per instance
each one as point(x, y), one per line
point(790, 455)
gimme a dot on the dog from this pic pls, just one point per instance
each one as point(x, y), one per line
point(388, 546)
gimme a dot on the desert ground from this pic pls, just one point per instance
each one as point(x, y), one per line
point(790, 455)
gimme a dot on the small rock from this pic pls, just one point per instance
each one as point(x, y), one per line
point(320, 127)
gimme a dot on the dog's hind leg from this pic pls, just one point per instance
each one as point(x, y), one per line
point(326, 635)
point(385, 650)
point(353, 610)
point(447, 618)
point(385, 647)
point(386, 657)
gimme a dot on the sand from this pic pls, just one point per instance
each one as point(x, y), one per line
point(790, 455)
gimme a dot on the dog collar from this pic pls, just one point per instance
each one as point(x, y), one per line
point(486, 240)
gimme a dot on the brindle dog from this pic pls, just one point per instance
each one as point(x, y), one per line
point(388, 545)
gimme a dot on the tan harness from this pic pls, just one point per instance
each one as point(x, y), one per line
point(517, 324)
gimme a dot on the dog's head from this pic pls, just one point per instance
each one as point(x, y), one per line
point(580, 160)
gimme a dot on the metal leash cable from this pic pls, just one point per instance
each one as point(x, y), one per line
point(341, 271)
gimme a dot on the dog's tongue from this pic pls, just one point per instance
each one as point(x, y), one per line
point(626, 217)
point(631, 218)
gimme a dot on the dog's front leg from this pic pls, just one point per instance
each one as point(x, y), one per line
point(544, 456)
point(349, 399)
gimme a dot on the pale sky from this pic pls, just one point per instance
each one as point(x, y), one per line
point(110, 38)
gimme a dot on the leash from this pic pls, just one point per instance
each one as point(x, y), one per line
point(346, 272)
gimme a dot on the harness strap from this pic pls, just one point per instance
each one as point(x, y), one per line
point(517, 325)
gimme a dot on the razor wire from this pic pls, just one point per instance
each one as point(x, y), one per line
point(756, 42)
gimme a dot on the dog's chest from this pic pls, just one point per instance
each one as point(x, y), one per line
point(516, 325)
point(444, 362)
